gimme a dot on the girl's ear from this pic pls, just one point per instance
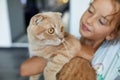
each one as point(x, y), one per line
point(112, 36)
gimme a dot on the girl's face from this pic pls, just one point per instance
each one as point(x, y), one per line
point(95, 23)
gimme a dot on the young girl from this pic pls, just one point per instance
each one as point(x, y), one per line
point(100, 23)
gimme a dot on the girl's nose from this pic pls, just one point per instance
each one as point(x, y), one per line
point(90, 20)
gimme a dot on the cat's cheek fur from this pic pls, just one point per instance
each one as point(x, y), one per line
point(54, 43)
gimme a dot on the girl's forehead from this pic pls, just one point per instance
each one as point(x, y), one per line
point(103, 7)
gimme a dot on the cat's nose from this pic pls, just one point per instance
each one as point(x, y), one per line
point(61, 36)
point(61, 39)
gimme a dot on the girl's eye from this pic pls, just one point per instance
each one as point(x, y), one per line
point(62, 28)
point(90, 10)
point(51, 30)
point(103, 21)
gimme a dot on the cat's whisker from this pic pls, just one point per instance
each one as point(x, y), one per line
point(66, 47)
point(67, 42)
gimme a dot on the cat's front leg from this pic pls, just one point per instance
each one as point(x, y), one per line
point(54, 66)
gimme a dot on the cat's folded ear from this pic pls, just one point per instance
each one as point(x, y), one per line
point(58, 13)
point(37, 19)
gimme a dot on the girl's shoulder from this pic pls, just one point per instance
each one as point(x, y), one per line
point(106, 60)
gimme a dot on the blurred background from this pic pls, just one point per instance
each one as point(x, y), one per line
point(14, 19)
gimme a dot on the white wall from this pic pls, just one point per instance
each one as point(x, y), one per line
point(11, 22)
point(16, 18)
point(77, 8)
point(5, 37)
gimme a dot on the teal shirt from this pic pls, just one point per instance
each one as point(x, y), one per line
point(106, 60)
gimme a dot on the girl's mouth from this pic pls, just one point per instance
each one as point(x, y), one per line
point(85, 28)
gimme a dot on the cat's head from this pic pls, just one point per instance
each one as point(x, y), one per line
point(47, 28)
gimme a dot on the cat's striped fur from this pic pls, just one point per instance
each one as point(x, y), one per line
point(48, 39)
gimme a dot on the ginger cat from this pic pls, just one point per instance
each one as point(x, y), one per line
point(48, 39)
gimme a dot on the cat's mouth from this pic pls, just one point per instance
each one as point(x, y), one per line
point(62, 40)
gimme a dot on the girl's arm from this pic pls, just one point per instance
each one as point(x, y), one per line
point(32, 66)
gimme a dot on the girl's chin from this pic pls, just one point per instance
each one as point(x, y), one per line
point(83, 34)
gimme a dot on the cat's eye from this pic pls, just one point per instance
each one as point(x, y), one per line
point(62, 28)
point(51, 30)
